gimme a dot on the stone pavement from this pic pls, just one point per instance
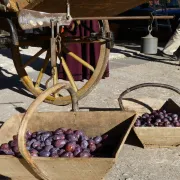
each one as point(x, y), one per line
point(128, 67)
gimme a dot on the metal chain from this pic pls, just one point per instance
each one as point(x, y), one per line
point(58, 39)
point(151, 23)
point(58, 43)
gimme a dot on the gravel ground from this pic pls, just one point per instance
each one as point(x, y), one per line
point(128, 67)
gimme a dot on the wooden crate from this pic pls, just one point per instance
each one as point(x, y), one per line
point(153, 137)
point(116, 124)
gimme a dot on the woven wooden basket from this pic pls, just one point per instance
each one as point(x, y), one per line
point(116, 123)
point(153, 137)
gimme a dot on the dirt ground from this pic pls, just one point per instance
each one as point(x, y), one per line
point(128, 67)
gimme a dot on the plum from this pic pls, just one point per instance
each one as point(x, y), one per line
point(48, 147)
point(177, 124)
point(67, 155)
point(92, 147)
point(34, 134)
point(174, 116)
point(84, 144)
point(158, 120)
point(69, 131)
point(45, 135)
point(28, 135)
point(59, 136)
point(84, 154)
point(61, 151)
point(78, 133)
point(60, 143)
point(70, 147)
point(15, 149)
point(91, 141)
point(137, 123)
point(54, 150)
point(34, 152)
point(54, 155)
point(44, 153)
point(71, 137)
point(97, 139)
point(48, 142)
point(59, 131)
point(77, 151)
point(8, 152)
point(5, 146)
point(36, 144)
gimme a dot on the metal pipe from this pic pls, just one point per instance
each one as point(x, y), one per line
point(13, 32)
point(123, 18)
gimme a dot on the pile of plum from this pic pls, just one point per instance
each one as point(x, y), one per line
point(160, 118)
point(59, 143)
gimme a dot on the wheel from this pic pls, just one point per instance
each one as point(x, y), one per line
point(83, 88)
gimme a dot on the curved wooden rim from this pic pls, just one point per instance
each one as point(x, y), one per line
point(23, 126)
point(142, 86)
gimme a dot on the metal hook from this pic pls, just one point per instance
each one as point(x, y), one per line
point(151, 22)
point(150, 28)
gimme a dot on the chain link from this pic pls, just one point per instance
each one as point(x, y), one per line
point(58, 43)
point(150, 28)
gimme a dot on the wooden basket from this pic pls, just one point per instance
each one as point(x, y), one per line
point(116, 123)
point(153, 137)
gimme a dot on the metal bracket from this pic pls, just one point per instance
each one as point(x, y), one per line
point(29, 19)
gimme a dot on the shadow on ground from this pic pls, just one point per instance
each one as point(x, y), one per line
point(35, 65)
point(129, 53)
point(13, 83)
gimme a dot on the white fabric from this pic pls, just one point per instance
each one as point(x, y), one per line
point(174, 42)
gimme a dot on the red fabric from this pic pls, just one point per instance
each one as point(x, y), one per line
point(88, 52)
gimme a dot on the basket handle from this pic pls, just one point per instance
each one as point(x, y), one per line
point(142, 86)
point(23, 126)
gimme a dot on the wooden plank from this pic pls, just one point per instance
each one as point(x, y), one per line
point(15, 168)
point(79, 8)
point(75, 168)
point(158, 136)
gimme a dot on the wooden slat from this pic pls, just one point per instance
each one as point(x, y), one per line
point(158, 136)
point(85, 8)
